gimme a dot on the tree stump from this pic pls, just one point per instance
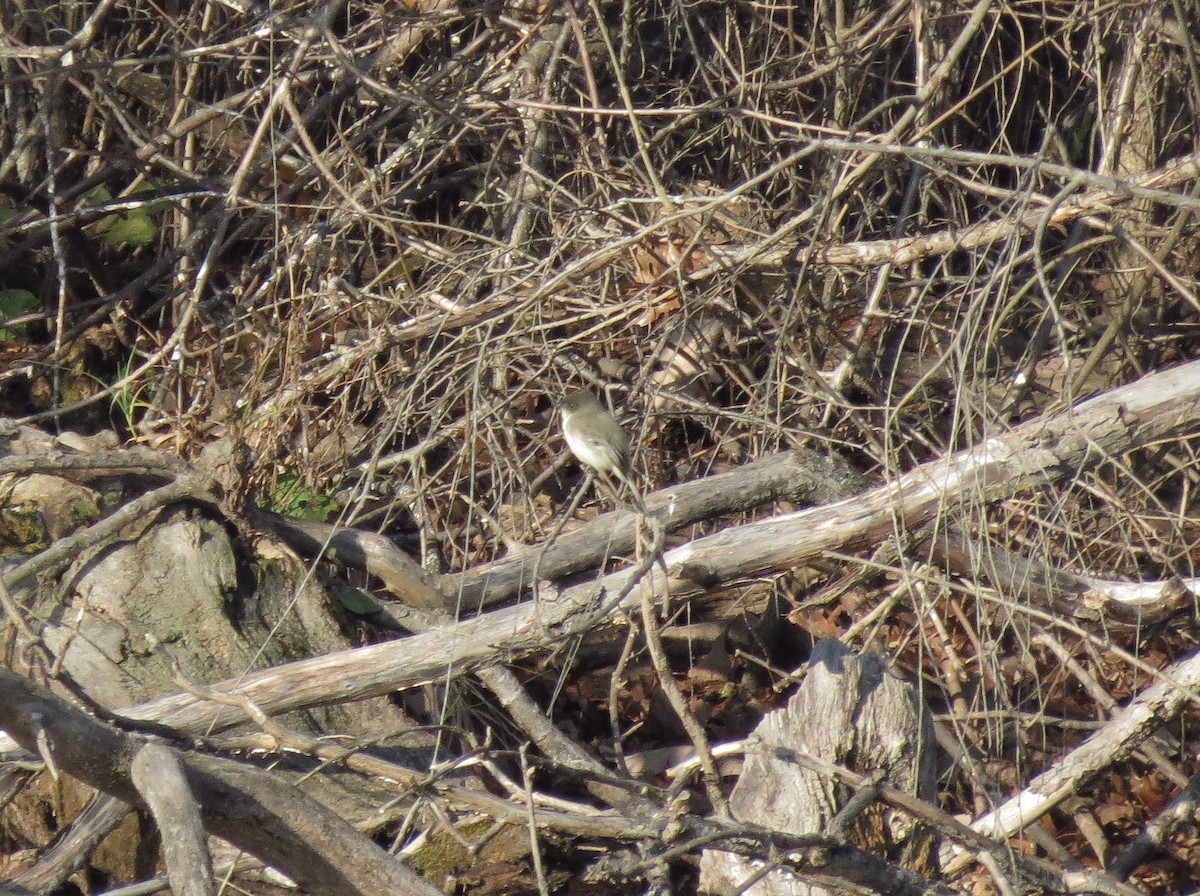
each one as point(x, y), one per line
point(851, 711)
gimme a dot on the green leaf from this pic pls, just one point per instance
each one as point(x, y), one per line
point(134, 228)
point(356, 601)
point(292, 498)
point(14, 303)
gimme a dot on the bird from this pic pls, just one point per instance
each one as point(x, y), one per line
point(597, 439)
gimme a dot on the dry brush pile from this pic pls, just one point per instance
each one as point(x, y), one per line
point(915, 281)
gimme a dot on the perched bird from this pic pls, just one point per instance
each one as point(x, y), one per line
point(596, 438)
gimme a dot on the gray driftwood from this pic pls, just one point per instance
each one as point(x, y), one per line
point(852, 711)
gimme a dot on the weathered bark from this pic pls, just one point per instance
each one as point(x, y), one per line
point(851, 711)
point(245, 805)
point(1043, 449)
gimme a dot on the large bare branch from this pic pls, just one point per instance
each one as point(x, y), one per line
point(246, 806)
point(1042, 450)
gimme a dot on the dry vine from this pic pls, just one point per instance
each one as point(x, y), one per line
point(347, 257)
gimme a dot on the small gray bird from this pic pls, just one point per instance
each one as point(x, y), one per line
point(596, 438)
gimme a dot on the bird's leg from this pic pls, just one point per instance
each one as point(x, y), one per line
point(618, 488)
point(612, 489)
